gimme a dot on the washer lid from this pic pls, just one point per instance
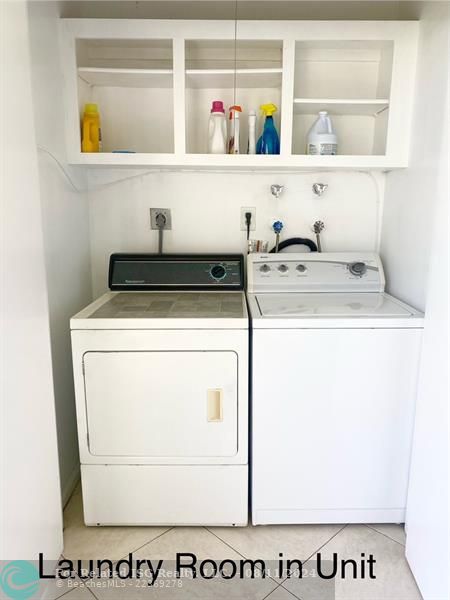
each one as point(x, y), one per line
point(330, 305)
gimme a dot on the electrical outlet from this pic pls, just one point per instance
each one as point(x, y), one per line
point(252, 210)
point(154, 212)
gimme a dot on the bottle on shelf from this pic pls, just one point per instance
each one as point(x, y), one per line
point(233, 142)
point(251, 148)
point(91, 134)
point(269, 142)
point(322, 139)
point(217, 129)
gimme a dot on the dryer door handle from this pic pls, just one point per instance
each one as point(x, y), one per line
point(214, 405)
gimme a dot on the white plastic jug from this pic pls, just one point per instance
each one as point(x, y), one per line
point(321, 136)
point(217, 130)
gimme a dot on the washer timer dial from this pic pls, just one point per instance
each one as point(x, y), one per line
point(357, 268)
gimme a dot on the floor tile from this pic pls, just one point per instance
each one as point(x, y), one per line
point(267, 541)
point(81, 542)
point(197, 540)
point(204, 545)
point(280, 593)
point(58, 587)
point(67, 589)
point(395, 532)
point(81, 593)
point(394, 580)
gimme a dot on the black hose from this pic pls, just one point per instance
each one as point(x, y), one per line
point(297, 241)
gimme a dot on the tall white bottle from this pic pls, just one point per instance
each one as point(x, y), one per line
point(234, 142)
point(251, 149)
point(217, 129)
point(321, 137)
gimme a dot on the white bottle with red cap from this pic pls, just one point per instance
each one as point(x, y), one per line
point(217, 129)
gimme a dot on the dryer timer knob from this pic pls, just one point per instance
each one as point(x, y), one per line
point(218, 272)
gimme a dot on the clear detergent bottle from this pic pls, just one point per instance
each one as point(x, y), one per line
point(269, 142)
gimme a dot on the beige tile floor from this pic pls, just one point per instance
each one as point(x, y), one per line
point(394, 580)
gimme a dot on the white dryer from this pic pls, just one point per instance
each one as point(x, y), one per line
point(161, 381)
point(334, 363)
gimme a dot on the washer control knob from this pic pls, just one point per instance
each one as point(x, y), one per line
point(301, 268)
point(218, 272)
point(264, 268)
point(283, 268)
point(357, 268)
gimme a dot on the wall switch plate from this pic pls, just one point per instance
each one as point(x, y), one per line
point(250, 209)
point(154, 212)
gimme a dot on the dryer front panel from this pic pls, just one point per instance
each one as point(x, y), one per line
point(161, 404)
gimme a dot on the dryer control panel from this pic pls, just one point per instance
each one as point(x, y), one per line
point(315, 272)
point(176, 272)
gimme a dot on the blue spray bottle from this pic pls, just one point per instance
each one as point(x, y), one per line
point(269, 142)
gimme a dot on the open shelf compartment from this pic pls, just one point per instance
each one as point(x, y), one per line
point(247, 73)
point(351, 80)
point(132, 83)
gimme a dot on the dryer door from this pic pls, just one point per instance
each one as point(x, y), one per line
point(161, 404)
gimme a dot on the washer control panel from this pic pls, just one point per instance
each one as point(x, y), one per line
point(314, 271)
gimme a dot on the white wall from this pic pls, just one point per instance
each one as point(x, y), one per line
point(225, 9)
point(206, 212)
point(427, 518)
point(31, 519)
point(415, 249)
point(411, 194)
point(65, 221)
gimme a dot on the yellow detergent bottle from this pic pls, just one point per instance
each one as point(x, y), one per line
point(91, 132)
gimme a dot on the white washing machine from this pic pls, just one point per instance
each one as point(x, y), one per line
point(161, 381)
point(335, 363)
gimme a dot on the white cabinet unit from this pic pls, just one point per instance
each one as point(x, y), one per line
point(154, 82)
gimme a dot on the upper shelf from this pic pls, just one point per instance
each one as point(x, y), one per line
point(195, 78)
point(228, 78)
point(138, 78)
point(311, 106)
